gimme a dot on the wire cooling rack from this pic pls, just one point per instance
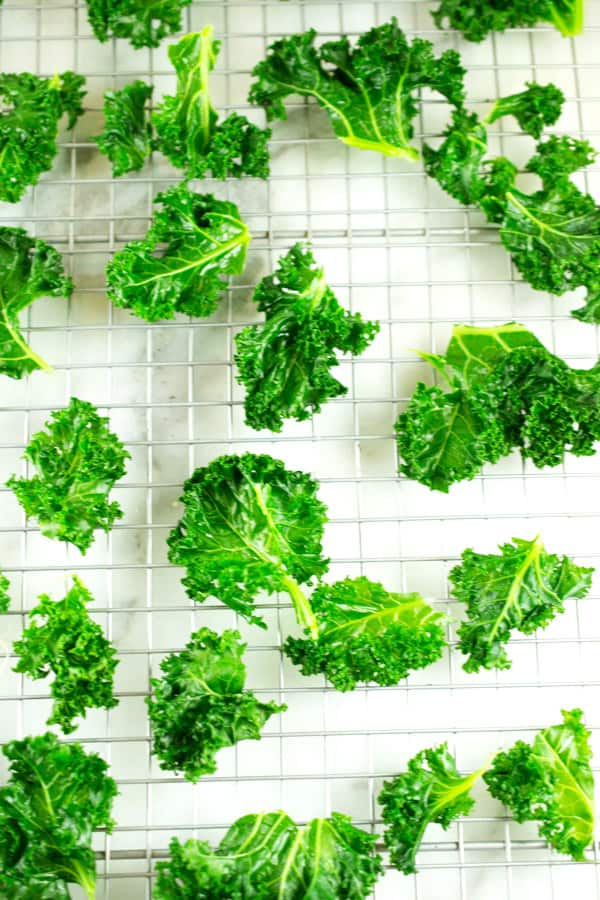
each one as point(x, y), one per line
point(396, 249)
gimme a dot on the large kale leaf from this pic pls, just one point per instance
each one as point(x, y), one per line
point(78, 460)
point(368, 91)
point(477, 18)
point(285, 362)
point(180, 266)
point(57, 795)
point(127, 139)
point(144, 22)
point(200, 705)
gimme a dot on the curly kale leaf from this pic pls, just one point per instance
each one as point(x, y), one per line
point(267, 855)
point(187, 126)
point(56, 797)
point(205, 240)
point(477, 18)
point(78, 460)
point(522, 588)
point(537, 106)
point(71, 646)
point(368, 634)
point(29, 269)
point(432, 790)
point(31, 110)
point(456, 164)
point(4, 595)
point(551, 782)
point(144, 22)
point(200, 705)
point(250, 525)
point(368, 92)
point(128, 137)
point(285, 362)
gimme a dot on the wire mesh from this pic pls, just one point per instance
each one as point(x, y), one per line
point(394, 248)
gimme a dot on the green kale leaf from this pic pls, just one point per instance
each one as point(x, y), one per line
point(550, 781)
point(432, 790)
point(285, 362)
point(180, 266)
point(522, 588)
point(78, 460)
point(368, 92)
point(71, 646)
point(31, 110)
point(29, 269)
point(144, 22)
point(200, 705)
point(267, 856)
point(128, 136)
point(56, 797)
point(456, 164)
point(477, 18)
point(250, 525)
point(533, 108)
point(187, 127)
point(368, 634)
point(4, 595)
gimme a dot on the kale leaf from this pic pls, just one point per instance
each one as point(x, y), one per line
point(432, 790)
point(535, 107)
point(128, 137)
point(522, 588)
point(32, 109)
point(56, 797)
point(550, 781)
point(250, 525)
point(285, 362)
point(368, 634)
point(200, 705)
point(4, 595)
point(29, 269)
point(269, 856)
point(368, 92)
point(187, 127)
point(205, 240)
point(72, 646)
point(78, 460)
point(477, 18)
point(144, 22)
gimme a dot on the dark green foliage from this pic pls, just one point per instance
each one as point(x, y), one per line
point(78, 460)
point(127, 139)
point(477, 18)
point(533, 108)
point(187, 126)
point(267, 856)
point(56, 796)
point(368, 634)
point(456, 165)
point(71, 646)
point(200, 705)
point(367, 91)
point(31, 110)
point(285, 362)
point(4, 595)
point(432, 790)
point(180, 266)
point(29, 269)
point(550, 781)
point(144, 22)
point(522, 588)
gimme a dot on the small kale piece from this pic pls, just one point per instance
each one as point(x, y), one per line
point(285, 362)
point(268, 856)
point(144, 22)
point(432, 790)
point(56, 797)
point(32, 109)
point(368, 92)
point(205, 240)
point(4, 595)
point(477, 18)
point(533, 108)
point(368, 634)
point(187, 127)
point(78, 460)
point(551, 782)
point(456, 164)
point(128, 136)
point(73, 647)
point(522, 588)
point(250, 525)
point(29, 269)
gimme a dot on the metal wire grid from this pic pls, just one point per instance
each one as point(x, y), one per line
point(396, 249)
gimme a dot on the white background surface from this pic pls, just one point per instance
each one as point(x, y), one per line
point(395, 248)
